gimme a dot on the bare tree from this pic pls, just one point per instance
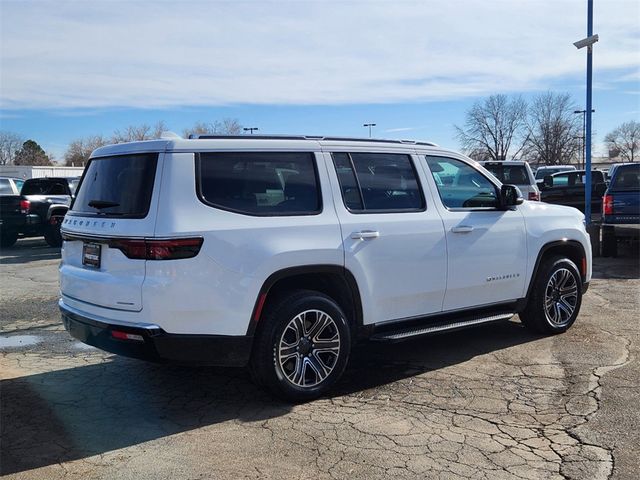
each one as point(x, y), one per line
point(135, 133)
point(10, 143)
point(31, 154)
point(226, 126)
point(553, 129)
point(494, 128)
point(624, 141)
point(79, 150)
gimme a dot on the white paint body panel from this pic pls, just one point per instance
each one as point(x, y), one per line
point(415, 267)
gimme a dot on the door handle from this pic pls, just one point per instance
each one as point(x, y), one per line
point(364, 234)
point(462, 229)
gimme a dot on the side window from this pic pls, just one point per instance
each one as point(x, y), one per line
point(256, 183)
point(382, 182)
point(562, 180)
point(5, 187)
point(19, 184)
point(460, 185)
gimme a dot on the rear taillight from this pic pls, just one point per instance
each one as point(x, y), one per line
point(25, 205)
point(534, 196)
point(607, 205)
point(170, 249)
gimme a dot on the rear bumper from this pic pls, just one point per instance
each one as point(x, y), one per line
point(154, 344)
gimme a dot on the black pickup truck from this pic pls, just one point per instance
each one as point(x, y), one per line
point(38, 210)
point(567, 188)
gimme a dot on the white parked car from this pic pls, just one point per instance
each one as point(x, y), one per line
point(515, 172)
point(278, 253)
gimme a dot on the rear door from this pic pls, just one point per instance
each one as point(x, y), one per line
point(117, 199)
point(392, 236)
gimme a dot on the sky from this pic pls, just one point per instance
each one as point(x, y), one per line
point(70, 69)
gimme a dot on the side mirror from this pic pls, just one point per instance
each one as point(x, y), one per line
point(510, 196)
point(548, 181)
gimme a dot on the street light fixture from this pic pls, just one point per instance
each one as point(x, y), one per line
point(250, 129)
point(588, 42)
point(369, 125)
point(584, 123)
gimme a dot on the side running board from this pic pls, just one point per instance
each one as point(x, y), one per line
point(406, 332)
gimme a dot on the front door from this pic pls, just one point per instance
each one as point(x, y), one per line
point(486, 246)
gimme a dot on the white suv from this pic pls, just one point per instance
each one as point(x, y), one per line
point(280, 253)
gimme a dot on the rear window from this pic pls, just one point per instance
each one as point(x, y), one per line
point(45, 187)
point(626, 178)
point(259, 183)
point(509, 174)
point(118, 186)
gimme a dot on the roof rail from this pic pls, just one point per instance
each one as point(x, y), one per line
point(307, 137)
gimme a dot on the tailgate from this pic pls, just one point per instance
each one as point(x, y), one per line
point(116, 202)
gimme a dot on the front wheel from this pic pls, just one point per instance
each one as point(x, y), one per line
point(302, 346)
point(556, 297)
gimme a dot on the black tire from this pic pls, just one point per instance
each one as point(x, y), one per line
point(609, 243)
point(277, 366)
point(8, 238)
point(554, 306)
point(52, 236)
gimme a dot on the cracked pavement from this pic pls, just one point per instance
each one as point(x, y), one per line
point(493, 402)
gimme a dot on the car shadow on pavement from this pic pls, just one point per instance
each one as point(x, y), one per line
point(625, 266)
point(28, 250)
point(374, 365)
point(74, 413)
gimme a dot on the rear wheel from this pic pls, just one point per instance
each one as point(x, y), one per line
point(556, 297)
point(8, 238)
point(609, 243)
point(52, 235)
point(302, 347)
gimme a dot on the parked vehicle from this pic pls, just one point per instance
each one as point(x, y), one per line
point(546, 170)
point(48, 200)
point(515, 172)
point(621, 208)
point(10, 185)
point(281, 253)
point(568, 188)
point(13, 218)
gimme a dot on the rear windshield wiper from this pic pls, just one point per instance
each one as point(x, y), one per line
point(100, 204)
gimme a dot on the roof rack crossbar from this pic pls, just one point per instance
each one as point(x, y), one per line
point(308, 137)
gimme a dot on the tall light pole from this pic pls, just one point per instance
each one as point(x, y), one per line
point(369, 125)
point(588, 42)
point(584, 124)
point(250, 129)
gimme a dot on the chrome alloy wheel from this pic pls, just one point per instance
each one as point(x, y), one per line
point(560, 297)
point(308, 349)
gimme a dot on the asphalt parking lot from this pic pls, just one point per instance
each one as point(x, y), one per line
point(494, 402)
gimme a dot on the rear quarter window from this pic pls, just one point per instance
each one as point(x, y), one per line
point(117, 186)
point(259, 183)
